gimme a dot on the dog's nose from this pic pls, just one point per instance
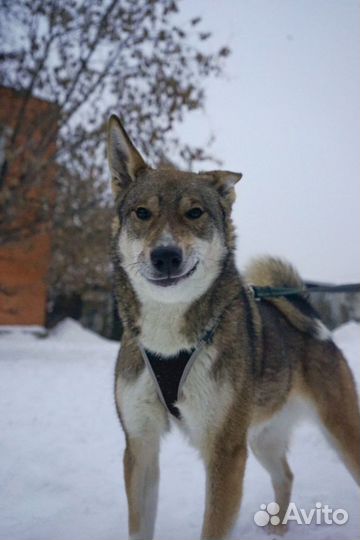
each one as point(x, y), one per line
point(166, 259)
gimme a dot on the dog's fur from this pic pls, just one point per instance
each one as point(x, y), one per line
point(268, 360)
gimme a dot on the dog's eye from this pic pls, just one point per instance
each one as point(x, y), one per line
point(194, 213)
point(143, 213)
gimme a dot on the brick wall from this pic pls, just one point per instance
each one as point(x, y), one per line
point(24, 262)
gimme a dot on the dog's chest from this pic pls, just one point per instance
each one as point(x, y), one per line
point(203, 401)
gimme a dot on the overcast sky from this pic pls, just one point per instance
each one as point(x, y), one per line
point(287, 115)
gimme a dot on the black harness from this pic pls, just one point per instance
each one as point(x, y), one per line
point(170, 372)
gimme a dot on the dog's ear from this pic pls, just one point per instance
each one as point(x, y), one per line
point(224, 182)
point(125, 161)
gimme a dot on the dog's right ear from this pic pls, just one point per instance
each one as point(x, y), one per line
point(125, 161)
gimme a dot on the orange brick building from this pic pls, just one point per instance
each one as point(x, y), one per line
point(24, 260)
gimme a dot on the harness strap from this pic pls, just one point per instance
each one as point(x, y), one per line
point(170, 373)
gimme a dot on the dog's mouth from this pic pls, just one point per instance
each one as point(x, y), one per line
point(168, 281)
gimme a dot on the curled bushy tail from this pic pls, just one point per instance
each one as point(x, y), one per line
point(274, 272)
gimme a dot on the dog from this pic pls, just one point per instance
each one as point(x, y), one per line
point(198, 350)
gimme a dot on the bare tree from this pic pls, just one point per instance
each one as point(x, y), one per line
point(89, 58)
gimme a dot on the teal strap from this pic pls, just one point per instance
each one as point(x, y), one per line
point(276, 292)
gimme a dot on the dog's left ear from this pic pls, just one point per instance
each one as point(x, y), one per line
point(224, 182)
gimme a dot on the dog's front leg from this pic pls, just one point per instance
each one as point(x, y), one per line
point(225, 468)
point(141, 468)
point(144, 420)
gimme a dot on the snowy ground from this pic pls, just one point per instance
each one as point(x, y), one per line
point(61, 451)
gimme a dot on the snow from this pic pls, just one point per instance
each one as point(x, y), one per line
point(61, 451)
point(71, 331)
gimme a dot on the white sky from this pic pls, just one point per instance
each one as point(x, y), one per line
point(287, 116)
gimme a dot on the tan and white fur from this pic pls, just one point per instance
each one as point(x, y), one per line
point(268, 362)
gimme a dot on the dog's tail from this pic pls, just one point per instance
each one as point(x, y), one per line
point(274, 272)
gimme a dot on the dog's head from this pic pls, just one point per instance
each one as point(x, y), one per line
point(173, 228)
